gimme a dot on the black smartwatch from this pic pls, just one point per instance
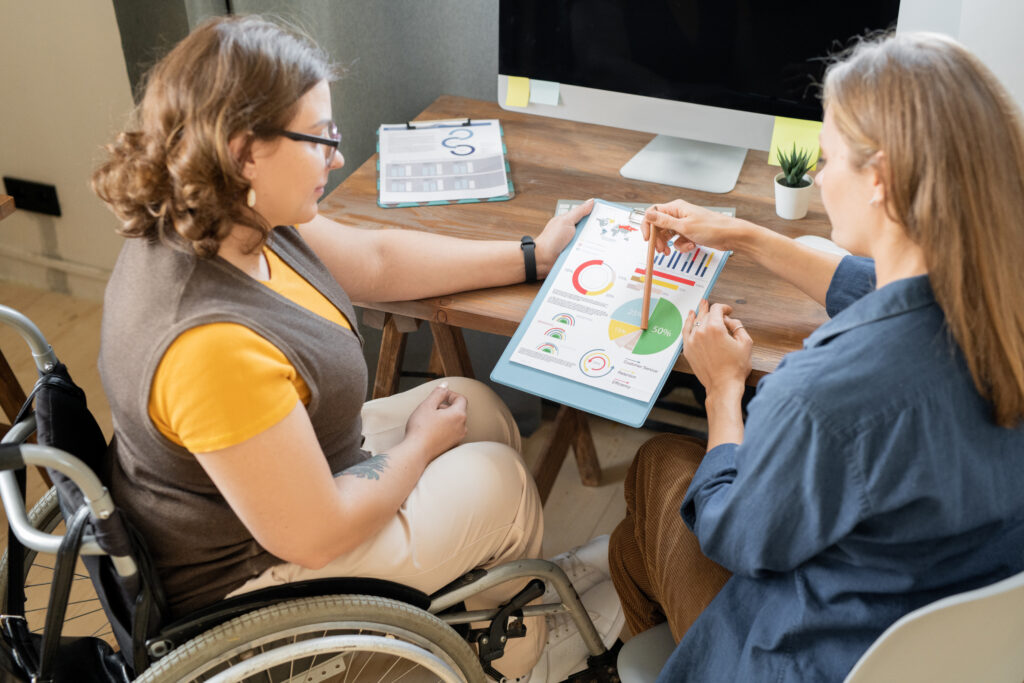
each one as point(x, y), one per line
point(529, 259)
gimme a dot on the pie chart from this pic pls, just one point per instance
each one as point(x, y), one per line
point(664, 325)
point(593, 277)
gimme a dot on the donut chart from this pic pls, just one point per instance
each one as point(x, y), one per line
point(595, 363)
point(664, 325)
point(592, 278)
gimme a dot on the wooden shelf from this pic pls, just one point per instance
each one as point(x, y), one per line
point(6, 206)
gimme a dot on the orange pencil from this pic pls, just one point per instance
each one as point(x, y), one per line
point(648, 277)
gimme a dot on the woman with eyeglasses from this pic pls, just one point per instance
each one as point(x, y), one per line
point(243, 449)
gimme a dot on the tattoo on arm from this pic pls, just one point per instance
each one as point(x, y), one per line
point(369, 468)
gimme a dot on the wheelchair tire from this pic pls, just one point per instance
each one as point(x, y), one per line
point(85, 616)
point(377, 630)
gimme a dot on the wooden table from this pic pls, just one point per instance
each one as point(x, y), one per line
point(553, 159)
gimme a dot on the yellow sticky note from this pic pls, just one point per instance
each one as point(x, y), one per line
point(787, 131)
point(518, 92)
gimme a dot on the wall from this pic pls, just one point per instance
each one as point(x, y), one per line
point(989, 28)
point(398, 57)
point(64, 93)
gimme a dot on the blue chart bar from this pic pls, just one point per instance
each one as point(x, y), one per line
point(696, 261)
point(689, 264)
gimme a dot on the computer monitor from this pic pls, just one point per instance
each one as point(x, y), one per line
point(707, 76)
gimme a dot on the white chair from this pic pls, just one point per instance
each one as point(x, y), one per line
point(643, 655)
point(973, 636)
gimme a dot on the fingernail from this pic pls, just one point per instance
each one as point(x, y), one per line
point(444, 385)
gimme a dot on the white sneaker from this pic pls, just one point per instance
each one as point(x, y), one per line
point(586, 566)
point(565, 652)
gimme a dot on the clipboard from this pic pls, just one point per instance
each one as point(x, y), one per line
point(433, 163)
point(594, 400)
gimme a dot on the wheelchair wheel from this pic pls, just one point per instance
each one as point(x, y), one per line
point(85, 616)
point(342, 638)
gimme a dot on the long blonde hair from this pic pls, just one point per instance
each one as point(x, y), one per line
point(953, 145)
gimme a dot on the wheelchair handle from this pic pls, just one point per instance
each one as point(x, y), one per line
point(96, 497)
point(42, 352)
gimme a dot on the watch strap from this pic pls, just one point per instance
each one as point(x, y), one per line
point(529, 257)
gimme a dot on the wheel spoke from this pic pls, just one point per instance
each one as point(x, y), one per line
point(291, 664)
point(84, 614)
point(348, 666)
point(391, 668)
point(365, 664)
point(104, 630)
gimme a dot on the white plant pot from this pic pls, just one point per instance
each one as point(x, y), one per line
point(791, 202)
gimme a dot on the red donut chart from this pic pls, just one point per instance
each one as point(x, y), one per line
point(592, 278)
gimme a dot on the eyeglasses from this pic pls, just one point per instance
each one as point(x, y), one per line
point(330, 142)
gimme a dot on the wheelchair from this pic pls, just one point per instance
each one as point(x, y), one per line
point(345, 629)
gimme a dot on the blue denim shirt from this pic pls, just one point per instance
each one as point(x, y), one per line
point(871, 481)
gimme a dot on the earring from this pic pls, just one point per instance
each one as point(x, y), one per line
point(250, 198)
point(873, 201)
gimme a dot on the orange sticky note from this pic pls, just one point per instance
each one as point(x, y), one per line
point(518, 92)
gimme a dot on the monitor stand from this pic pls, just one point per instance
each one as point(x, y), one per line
point(693, 164)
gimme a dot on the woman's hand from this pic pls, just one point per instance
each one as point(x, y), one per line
point(439, 423)
point(556, 234)
point(718, 349)
point(694, 224)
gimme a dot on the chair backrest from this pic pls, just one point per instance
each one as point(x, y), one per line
point(124, 578)
point(973, 636)
point(134, 604)
point(643, 656)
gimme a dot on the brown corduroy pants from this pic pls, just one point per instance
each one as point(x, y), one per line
point(657, 566)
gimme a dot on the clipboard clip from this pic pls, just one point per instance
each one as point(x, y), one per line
point(409, 124)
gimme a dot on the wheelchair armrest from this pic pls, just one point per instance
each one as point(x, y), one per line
point(14, 456)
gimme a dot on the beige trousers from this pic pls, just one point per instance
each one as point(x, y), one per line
point(474, 506)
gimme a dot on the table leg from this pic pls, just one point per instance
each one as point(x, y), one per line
point(585, 451)
point(434, 366)
point(451, 348)
point(571, 429)
point(389, 362)
point(12, 397)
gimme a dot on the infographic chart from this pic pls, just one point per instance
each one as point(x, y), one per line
point(664, 327)
point(588, 328)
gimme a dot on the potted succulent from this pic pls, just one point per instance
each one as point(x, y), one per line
point(793, 186)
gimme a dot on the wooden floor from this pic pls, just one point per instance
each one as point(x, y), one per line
point(573, 513)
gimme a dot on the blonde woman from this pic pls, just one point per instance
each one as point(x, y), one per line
point(881, 467)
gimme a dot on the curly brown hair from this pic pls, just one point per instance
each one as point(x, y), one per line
point(172, 176)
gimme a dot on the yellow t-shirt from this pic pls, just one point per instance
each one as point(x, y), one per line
point(222, 383)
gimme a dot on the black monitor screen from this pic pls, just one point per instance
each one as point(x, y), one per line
point(751, 55)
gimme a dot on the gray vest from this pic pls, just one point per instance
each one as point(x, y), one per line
point(201, 549)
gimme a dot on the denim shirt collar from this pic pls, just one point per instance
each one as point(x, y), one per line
point(895, 298)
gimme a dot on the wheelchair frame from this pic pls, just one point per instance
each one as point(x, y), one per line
point(162, 645)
